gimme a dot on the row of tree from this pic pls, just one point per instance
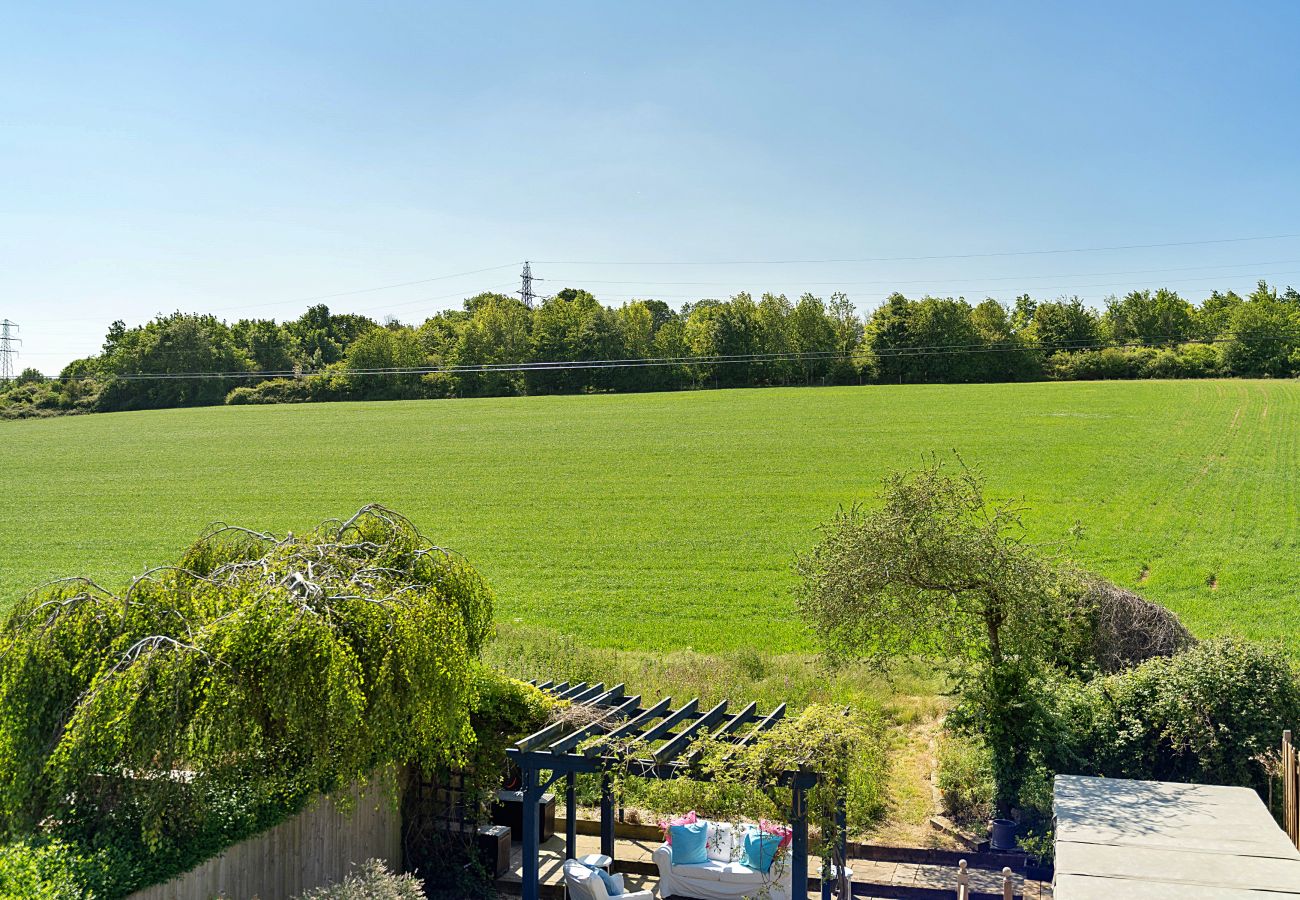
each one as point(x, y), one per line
point(495, 345)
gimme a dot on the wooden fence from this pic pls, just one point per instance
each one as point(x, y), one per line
point(318, 846)
point(1290, 789)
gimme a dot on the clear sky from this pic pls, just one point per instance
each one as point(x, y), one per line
point(241, 157)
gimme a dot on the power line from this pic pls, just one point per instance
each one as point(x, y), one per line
point(876, 259)
point(719, 359)
point(369, 290)
point(891, 281)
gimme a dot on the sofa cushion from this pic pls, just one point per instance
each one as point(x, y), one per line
point(705, 871)
point(759, 849)
point(739, 873)
point(720, 846)
point(688, 843)
point(726, 873)
point(684, 819)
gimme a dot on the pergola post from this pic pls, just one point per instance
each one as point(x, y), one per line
point(838, 880)
point(571, 816)
point(842, 841)
point(799, 844)
point(530, 889)
point(606, 816)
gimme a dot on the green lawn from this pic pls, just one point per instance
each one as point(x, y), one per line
point(670, 520)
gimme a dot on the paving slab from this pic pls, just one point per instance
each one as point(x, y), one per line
point(1149, 840)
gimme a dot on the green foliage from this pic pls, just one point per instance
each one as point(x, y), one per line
point(216, 695)
point(174, 345)
point(965, 779)
point(1063, 325)
point(373, 881)
point(1155, 320)
point(1204, 715)
point(713, 343)
point(940, 571)
point(845, 748)
point(45, 868)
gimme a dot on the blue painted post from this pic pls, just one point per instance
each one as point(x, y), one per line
point(799, 845)
point(571, 816)
point(842, 836)
point(837, 878)
point(531, 851)
point(606, 816)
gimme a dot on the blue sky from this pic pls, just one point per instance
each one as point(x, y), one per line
point(241, 157)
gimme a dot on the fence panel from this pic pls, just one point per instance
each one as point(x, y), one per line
point(318, 846)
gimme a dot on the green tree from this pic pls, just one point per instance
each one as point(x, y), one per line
point(814, 338)
point(1212, 319)
point(731, 329)
point(1064, 325)
point(174, 346)
point(948, 344)
point(1153, 320)
point(939, 570)
point(323, 337)
point(496, 333)
point(777, 335)
point(1007, 358)
point(268, 344)
point(848, 335)
point(888, 336)
point(385, 348)
point(569, 327)
point(1264, 334)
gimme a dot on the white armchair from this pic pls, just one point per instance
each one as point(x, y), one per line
point(584, 884)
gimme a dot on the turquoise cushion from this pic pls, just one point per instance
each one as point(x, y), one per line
point(759, 849)
point(689, 843)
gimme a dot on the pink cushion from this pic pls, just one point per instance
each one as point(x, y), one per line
point(688, 819)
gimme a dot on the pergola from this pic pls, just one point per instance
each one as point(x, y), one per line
point(668, 732)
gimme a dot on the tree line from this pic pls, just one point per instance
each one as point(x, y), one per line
point(495, 345)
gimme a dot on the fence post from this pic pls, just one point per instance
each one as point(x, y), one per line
point(1008, 889)
point(1290, 812)
point(963, 881)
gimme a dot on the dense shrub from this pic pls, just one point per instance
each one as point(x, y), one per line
point(372, 882)
point(38, 399)
point(282, 390)
point(1203, 715)
point(1099, 365)
point(49, 869)
point(965, 780)
point(1185, 361)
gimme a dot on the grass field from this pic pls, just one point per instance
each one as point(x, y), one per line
point(665, 521)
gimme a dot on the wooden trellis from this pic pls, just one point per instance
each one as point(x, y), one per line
point(564, 749)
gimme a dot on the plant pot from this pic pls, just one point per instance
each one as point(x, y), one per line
point(1002, 834)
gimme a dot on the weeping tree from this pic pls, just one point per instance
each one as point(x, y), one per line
point(938, 570)
point(253, 674)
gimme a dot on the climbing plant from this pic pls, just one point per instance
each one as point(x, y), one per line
point(254, 673)
point(825, 740)
point(841, 746)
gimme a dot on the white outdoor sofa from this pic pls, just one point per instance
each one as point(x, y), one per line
point(584, 884)
point(714, 880)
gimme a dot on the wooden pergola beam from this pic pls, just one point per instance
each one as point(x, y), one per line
point(674, 747)
point(631, 725)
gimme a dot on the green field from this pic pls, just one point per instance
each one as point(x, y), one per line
point(670, 520)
